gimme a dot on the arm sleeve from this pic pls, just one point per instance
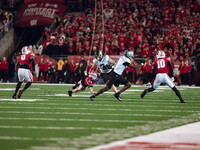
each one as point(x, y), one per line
point(153, 73)
point(171, 69)
point(33, 64)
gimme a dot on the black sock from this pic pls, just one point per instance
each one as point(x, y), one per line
point(150, 89)
point(177, 93)
point(18, 87)
point(26, 86)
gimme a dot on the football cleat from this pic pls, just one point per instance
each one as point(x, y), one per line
point(70, 93)
point(20, 94)
point(118, 96)
point(182, 101)
point(143, 93)
point(92, 98)
point(14, 96)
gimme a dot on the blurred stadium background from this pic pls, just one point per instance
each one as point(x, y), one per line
point(61, 31)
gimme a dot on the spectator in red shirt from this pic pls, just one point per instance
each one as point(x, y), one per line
point(143, 68)
point(146, 52)
point(181, 71)
point(186, 70)
point(149, 68)
point(41, 68)
point(4, 69)
point(73, 68)
point(47, 66)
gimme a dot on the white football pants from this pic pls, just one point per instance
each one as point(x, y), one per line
point(163, 78)
point(25, 74)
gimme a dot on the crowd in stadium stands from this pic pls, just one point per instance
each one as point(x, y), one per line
point(144, 26)
point(5, 17)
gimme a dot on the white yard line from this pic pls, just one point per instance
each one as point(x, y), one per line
point(185, 137)
point(75, 113)
point(22, 100)
point(163, 86)
point(54, 128)
point(80, 120)
point(111, 109)
point(90, 104)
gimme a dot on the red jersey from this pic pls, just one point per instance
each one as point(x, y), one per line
point(161, 65)
point(88, 82)
point(149, 68)
point(4, 65)
point(181, 69)
point(25, 59)
point(47, 66)
point(41, 66)
point(187, 68)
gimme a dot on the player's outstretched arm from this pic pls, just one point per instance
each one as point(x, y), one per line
point(17, 66)
point(134, 66)
point(111, 61)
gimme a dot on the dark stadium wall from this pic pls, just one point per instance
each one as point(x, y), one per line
point(28, 36)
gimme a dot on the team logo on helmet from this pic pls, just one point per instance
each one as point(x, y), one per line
point(160, 54)
point(25, 50)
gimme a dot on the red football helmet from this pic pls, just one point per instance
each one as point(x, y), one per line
point(93, 76)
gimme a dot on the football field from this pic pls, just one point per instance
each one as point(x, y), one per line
point(45, 118)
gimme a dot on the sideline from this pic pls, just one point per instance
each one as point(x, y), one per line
point(185, 137)
point(63, 84)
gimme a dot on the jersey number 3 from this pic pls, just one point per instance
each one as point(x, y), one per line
point(161, 63)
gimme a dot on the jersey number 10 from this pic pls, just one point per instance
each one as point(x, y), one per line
point(161, 63)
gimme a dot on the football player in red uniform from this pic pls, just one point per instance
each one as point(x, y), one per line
point(23, 70)
point(87, 82)
point(160, 73)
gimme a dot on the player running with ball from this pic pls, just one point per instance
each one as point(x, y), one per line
point(160, 71)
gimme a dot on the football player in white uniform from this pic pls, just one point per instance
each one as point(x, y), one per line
point(104, 64)
point(117, 77)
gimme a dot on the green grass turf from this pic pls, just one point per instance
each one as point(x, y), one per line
point(58, 121)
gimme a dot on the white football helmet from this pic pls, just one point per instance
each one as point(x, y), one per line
point(129, 54)
point(99, 55)
point(160, 54)
point(26, 50)
point(93, 76)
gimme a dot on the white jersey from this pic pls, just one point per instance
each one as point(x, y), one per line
point(102, 64)
point(121, 64)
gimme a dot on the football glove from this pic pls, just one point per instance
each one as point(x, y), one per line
point(172, 78)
